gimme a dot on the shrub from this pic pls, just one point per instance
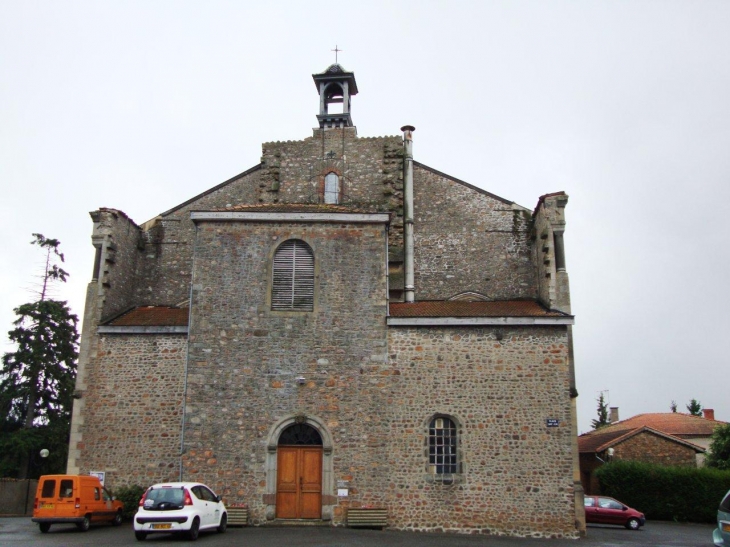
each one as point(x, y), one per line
point(666, 493)
point(129, 496)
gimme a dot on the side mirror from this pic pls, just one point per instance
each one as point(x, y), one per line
point(219, 498)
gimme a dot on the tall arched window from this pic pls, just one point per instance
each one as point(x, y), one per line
point(442, 446)
point(293, 277)
point(331, 188)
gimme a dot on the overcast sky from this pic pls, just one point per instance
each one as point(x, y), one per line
point(625, 106)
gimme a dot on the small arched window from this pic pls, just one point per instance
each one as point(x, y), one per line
point(331, 188)
point(442, 446)
point(293, 277)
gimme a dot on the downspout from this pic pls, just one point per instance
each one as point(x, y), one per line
point(410, 288)
point(187, 355)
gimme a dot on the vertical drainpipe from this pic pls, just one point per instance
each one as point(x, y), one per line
point(410, 288)
point(187, 355)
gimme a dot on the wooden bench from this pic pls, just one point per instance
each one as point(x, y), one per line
point(361, 517)
point(237, 516)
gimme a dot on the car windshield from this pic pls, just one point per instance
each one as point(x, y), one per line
point(725, 504)
point(164, 499)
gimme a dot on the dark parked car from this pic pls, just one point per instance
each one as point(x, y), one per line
point(603, 510)
point(721, 534)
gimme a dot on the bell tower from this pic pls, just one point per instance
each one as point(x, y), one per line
point(335, 87)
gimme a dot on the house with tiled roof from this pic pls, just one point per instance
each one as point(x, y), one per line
point(665, 438)
point(339, 326)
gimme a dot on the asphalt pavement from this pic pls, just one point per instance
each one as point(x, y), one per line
point(21, 532)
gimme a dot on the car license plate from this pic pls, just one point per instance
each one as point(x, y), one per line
point(163, 526)
point(46, 506)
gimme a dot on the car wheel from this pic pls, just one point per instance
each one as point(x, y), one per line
point(223, 524)
point(632, 524)
point(140, 536)
point(44, 526)
point(194, 529)
point(84, 524)
point(117, 519)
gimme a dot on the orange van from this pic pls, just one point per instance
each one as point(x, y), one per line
point(74, 499)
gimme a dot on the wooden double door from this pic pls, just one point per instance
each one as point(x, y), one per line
point(299, 482)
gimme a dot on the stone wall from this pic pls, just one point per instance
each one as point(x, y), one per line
point(290, 172)
point(118, 238)
point(469, 240)
point(133, 409)
point(517, 472)
point(651, 448)
point(167, 264)
point(245, 359)
point(549, 226)
point(466, 239)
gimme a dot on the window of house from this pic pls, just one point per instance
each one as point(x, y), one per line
point(293, 279)
point(331, 188)
point(442, 446)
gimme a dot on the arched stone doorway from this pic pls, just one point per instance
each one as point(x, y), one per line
point(299, 473)
point(299, 470)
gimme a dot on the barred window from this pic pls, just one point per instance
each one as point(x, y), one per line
point(293, 277)
point(331, 188)
point(442, 446)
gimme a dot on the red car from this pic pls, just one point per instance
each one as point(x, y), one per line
point(603, 510)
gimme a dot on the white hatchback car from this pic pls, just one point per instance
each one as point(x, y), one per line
point(179, 507)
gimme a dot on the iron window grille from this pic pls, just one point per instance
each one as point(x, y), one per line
point(442, 447)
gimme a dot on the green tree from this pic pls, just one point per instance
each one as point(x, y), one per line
point(673, 406)
point(694, 407)
point(719, 452)
point(37, 378)
point(602, 410)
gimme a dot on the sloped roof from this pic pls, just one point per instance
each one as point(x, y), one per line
point(601, 440)
point(164, 316)
point(677, 425)
point(151, 316)
point(456, 308)
point(674, 423)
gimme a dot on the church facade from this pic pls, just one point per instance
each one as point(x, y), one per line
point(339, 326)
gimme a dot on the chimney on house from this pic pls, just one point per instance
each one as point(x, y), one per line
point(613, 417)
point(708, 413)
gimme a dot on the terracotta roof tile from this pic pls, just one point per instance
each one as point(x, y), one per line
point(676, 424)
point(152, 316)
point(456, 308)
point(590, 442)
point(601, 441)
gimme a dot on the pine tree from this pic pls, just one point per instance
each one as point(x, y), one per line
point(602, 410)
point(673, 406)
point(694, 407)
point(37, 379)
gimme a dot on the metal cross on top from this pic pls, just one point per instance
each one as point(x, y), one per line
point(336, 50)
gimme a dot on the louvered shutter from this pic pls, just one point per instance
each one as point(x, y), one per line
point(293, 283)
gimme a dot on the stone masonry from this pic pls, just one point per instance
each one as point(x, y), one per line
point(206, 378)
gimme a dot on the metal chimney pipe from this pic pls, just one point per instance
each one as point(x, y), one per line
point(410, 288)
